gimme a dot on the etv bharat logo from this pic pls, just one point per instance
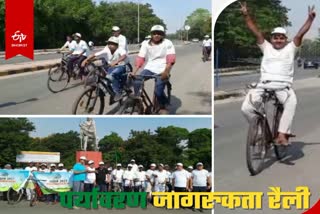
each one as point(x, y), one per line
point(19, 37)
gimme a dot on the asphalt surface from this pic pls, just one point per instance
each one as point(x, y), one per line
point(239, 82)
point(190, 78)
point(23, 208)
point(298, 169)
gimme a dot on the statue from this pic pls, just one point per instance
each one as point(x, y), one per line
point(88, 134)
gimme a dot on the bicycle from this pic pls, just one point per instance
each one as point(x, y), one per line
point(261, 136)
point(97, 88)
point(142, 104)
point(205, 54)
point(59, 77)
point(14, 197)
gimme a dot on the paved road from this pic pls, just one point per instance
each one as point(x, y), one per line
point(191, 92)
point(237, 82)
point(23, 208)
point(231, 173)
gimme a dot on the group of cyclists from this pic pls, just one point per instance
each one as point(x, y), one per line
point(157, 54)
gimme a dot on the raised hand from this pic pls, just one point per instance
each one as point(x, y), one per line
point(311, 12)
point(243, 8)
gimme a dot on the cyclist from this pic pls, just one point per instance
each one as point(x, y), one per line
point(79, 52)
point(116, 32)
point(206, 45)
point(160, 55)
point(68, 43)
point(91, 45)
point(116, 57)
point(277, 68)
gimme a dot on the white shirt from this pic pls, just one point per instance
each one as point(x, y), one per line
point(123, 42)
point(277, 65)
point(150, 173)
point(78, 48)
point(180, 178)
point(156, 55)
point(90, 176)
point(44, 170)
point(62, 170)
point(207, 43)
point(169, 176)
point(135, 168)
point(161, 177)
point(68, 45)
point(113, 57)
point(140, 176)
point(127, 177)
point(31, 168)
point(199, 178)
point(117, 175)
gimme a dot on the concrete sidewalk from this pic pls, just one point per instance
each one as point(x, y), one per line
point(23, 67)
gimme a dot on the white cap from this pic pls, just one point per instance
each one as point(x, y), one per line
point(132, 160)
point(90, 162)
point(152, 164)
point(279, 30)
point(90, 43)
point(43, 164)
point(206, 36)
point(161, 165)
point(113, 39)
point(110, 168)
point(78, 35)
point(140, 166)
point(179, 164)
point(129, 165)
point(190, 167)
point(52, 165)
point(148, 37)
point(199, 164)
point(115, 28)
point(157, 28)
point(60, 164)
point(101, 163)
point(119, 164)
point(83, 158)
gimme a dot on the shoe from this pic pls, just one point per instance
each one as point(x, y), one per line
point(76, 208)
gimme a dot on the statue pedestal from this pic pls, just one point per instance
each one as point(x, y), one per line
point(90, 155)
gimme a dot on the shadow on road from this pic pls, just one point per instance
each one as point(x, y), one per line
point(205, 97)
point(17, 103)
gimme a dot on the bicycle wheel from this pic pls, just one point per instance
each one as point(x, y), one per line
point(130, 106)
point(279, 150)
point(13, 196)
point(256, 145)
point(58, 79)
point(90, 101)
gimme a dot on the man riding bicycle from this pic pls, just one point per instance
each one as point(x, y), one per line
point(160, 54)
point(116, 32)
point(79, 52)
point(277, 68)
point(206, 45)
point(116, 59)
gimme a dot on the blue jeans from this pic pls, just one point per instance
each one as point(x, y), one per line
point(77, 187)
point(159, 89)
point(118, 77)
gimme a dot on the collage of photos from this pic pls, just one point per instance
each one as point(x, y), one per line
point(111, 112)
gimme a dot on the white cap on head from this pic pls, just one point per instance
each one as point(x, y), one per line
point(115, 28)
point(90, 43)
point(78, 35)
point(157, 28)
point(206, 36)
point(190, 167)
point(279, 30)
point(129, 165)
point(83, 158)
point(90, 162)
point(51, 165)
point(179, 164)
point(133, 160)
point(140, 166)
point(199, 164)
point(119, 164)
point(110, 168)
point(113, 39)
point(43, 164)
point(101, 163)
point(60, 164)
point(161, 165)
point(152, 164)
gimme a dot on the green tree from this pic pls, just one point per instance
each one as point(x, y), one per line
point(14, 138)
point(232, 36)
point(200, 23)
point(112, 147)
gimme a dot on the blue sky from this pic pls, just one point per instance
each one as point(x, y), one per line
point(122, 126)
point(298, 15)
point(173, 12)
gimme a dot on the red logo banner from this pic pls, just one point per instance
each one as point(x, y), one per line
point(19, 28)
point(314, 210)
